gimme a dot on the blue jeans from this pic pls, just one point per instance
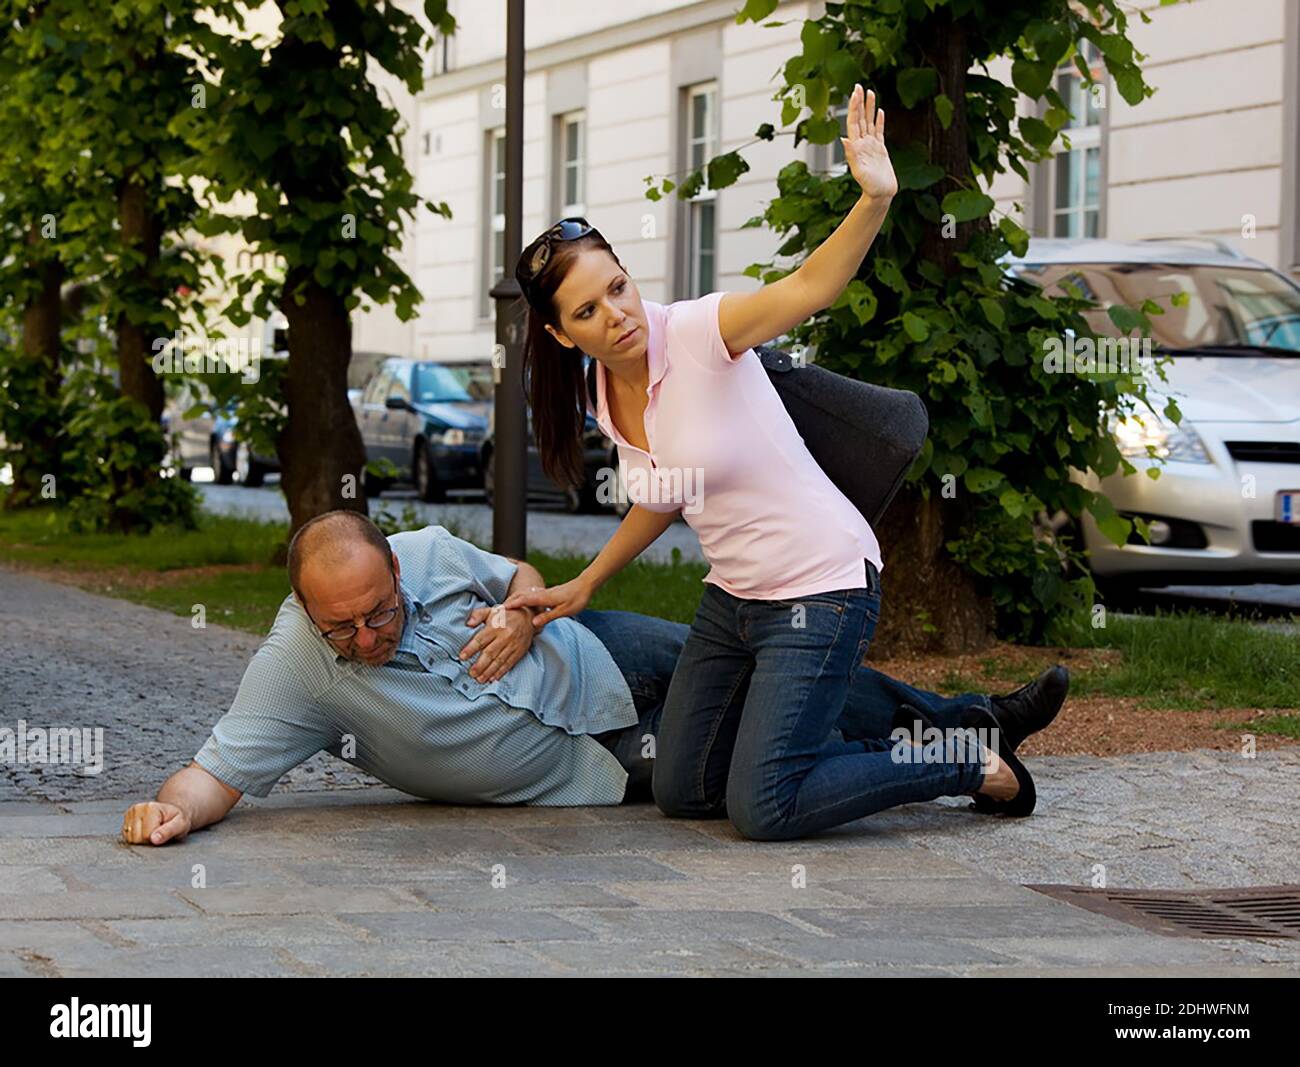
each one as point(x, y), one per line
point(646, 650)
point(772, 720)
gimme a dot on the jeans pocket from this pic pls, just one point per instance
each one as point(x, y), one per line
point(870, 620)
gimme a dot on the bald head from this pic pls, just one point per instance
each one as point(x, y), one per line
point(333, 541)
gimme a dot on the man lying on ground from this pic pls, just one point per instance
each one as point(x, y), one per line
point(367, 660)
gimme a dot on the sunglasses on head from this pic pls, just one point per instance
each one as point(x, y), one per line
point(533, 259)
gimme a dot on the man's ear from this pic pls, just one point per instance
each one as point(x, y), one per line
point(397, 564)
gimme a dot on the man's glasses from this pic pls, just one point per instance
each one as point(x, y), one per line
point(533, 259)
point(374, 622)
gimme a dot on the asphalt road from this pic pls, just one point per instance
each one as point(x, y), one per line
point(553, 530)
point(549, 530)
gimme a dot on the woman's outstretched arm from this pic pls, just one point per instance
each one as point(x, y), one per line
point(639, 529)
point(749, 319)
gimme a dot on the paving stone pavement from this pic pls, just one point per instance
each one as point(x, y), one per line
point(336, 875)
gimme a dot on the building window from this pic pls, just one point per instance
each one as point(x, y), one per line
point(701, 210)
point(1076, 171)
point(437, 60)
point(837, 164)
point(495, 214)
point(572, 153)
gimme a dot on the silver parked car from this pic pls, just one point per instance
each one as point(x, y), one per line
point(1226, 507)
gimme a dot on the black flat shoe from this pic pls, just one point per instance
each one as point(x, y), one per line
point(906, 717)
point(1031, 707)
point(1023, 802)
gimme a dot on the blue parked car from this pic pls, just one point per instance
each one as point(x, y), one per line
point(600, 458)
point(210, 438)
point(429, 420)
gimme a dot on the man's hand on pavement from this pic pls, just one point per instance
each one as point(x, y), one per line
point(154, 823)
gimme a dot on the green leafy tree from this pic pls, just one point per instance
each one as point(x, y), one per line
point(299, 124)
point(968, 550)
point(103, 85)
point(35, 250)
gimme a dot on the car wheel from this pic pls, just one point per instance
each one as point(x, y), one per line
point(489, 477)
point(589, 497)
point(1119, 594)
point(372, 485)
point(251, 473)
point(222, 472)
point(427, 486)
point(621, 504)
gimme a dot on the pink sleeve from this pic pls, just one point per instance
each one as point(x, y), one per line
point(693, 325)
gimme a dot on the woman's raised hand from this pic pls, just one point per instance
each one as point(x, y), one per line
point(556, 603)
point(864, 147)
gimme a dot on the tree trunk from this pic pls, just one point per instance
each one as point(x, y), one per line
point(945, 50)
point(320, 449)
point(931, 604)
point(42, 317)
point(141, 231)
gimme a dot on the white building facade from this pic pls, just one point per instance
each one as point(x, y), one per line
point(653, 87)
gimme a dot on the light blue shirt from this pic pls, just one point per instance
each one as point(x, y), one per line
point(421, 723)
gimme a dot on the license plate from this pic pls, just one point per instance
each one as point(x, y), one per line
point(1287, 507)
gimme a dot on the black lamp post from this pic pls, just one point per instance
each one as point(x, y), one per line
point(510, 456)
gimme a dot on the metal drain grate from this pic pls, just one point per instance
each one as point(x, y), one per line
point(1261, 912)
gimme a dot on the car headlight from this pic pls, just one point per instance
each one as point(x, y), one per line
point(1179, 443)
point(452, 437)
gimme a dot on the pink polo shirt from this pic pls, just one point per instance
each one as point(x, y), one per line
point(771, 525)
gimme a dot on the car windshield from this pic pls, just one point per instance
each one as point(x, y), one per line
point(1227, 306)
point(451, 383)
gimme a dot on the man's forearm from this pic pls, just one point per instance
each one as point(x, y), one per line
point(197, 793)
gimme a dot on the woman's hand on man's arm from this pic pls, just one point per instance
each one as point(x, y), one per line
point(638, 530)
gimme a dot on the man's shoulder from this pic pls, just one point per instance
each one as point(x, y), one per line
point(434, 562)
point(425, 539)
point(294, 645)
point(423, 551)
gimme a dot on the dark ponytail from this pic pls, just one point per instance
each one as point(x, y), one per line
point(553, 374)
point(557, 395)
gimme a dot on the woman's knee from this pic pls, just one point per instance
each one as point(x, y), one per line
point(756, 817)
point(761, 826)
point(679, 796)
